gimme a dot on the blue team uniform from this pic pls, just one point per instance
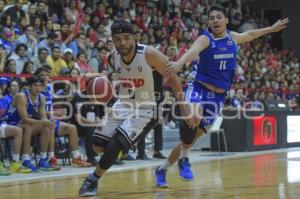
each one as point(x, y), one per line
point(216, 66)
point(5, 101)
point(48, 93)
point(12, 116)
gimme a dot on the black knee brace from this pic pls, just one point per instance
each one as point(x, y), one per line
point(187, 134)
point(117, 144)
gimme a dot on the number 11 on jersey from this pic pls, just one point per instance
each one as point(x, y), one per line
point(222, 65)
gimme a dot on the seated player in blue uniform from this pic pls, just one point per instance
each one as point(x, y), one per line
point(215, 55)
point(28, 109)
point(10, 131)
point(62, 128)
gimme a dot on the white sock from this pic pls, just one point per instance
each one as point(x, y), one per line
point(184, 153)
point(50, 154)
point(43, 155)
point(75, 154)
point(16, 157)
point(26, 157)
point(166, 165)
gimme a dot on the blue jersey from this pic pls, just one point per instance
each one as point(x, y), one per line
point(33, 107)
point(216, 64)
point(48, 93)
point(4, 104)
point(12, 115)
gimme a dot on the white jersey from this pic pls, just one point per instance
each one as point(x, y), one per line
point(139, 83)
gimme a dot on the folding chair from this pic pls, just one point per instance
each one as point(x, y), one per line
point(62, 149)
point(216, 128)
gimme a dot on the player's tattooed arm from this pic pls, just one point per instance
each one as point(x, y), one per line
point(253, 34)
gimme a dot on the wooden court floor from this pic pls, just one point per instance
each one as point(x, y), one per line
point(268, 176)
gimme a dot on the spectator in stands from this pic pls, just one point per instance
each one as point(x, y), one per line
point(86, 23)
point(20, 27)
point(49, 42)
point(110, 46)
point(10, 66)
point(42, 11)
point(41, 59)
point(99, 63)
point(8, 41)
point(71, 11)
point(55, 62)
point(16, 12)
point(82, 64)
point(29, 40)
point(39, 29)
point(19, 57)
point(2, 5)
point(31, 14)
point(2, 58)
point(75, 73)
point(27, 70)
point(84, 45)
point(68, 57)
point(237, 99)
point(58, 41)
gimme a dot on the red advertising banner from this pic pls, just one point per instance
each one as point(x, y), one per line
point(264, 130)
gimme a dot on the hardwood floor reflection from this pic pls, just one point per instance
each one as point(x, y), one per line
point(262, 176)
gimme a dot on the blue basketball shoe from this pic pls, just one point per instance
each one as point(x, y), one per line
point(160, 175)
point(185, 171)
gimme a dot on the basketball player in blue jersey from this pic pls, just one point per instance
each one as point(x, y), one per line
point(28, 108)
point(214, 54)
point(61, 128)
point(139, 70)
point(10, 131)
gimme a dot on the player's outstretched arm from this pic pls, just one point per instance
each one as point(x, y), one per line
point(201, 43)
point(253, 34)
point(159, 61)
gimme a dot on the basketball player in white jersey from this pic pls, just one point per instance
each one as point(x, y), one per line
point(138, 69)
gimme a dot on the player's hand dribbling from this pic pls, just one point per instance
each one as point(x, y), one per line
point(172, 69)
point(279, 25)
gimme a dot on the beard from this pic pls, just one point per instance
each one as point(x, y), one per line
point(124, 51)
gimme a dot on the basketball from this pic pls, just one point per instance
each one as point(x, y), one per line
point(100, 89)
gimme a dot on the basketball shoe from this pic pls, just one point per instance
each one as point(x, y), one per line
point(44, 165)
point(27, 164)
point(16, 167)
point(78, 162)
point(53, 164)
point(185, 171)
point(160, 175)
point(88, 188)
point(3, 170)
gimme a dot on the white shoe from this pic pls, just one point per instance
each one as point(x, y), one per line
point(165, 127)
point(171, 125)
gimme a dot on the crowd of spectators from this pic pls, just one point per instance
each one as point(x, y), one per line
point(36, 33)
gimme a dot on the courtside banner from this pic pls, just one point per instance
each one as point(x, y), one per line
point(264, 130)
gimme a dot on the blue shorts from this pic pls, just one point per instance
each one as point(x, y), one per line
point(210, 101)
point(57, 125)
